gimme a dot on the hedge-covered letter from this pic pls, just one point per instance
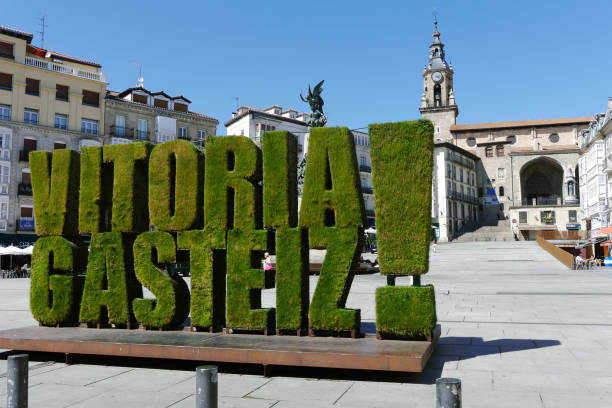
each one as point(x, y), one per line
point(232, 196)
point(130, 175)
point(207, 269)
point(280, 214)
point(176, 186)
point(54, 295)
point(91, 205)
point(171, 306)
point(55, 190)
point(402, 167)
point(110, 284)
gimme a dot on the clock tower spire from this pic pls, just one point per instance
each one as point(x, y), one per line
point(438, 100)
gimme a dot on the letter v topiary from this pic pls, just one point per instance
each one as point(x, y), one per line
point(55, 191)
point(110, 284)
point(55, 289)
point(280, 213)
point(171, 306)
point(176, 184)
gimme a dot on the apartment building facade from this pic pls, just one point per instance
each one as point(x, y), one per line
point(48, 101)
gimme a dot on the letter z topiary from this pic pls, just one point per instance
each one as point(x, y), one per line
point(110, 284)
point(55, 289)
point(55, 191)
point(171, 306)
point(176, 184)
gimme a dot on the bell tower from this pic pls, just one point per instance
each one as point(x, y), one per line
point(438, 100)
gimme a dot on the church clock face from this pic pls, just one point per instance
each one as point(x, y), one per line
point(437, 77)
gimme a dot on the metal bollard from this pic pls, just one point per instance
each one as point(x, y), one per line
point(448, 393)
point(17, 381)
point(206, 387)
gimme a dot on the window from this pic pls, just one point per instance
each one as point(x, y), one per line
point(501, 173)
point(448, 170)
point(160, 103)
point(454, 173)
point(489, 151)
point(471, 141)
point(61, 121)
point(25, 176)
point(27, 212)
point(3, 211)
point(554, 138)
point(181, 107)
point(473, 183)
point(5, 144)
point(119, 125)
point(140, 98)
point(61, 92)
point(547, 217)
point(183, 132)
point(461, 174)
point(6, 81)
point(277, 111)
point(91, 98)
point(30, 116)
point(29, 145)
point(89, 126)
point(499, 150)
point(59, 145)
point(511, 139)
point(32, 87)
point(6, 50)
point(5, 112)
point(501, 191)
point(201, 134)
point(572, 216)
point(143, 133)
point(4, 179)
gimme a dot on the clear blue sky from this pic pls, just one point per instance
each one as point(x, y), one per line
point(513, 59)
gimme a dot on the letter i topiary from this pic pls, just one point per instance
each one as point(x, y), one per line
point(176, 171)
point(110, 284)
point(55, 289)
point(171, 306)
point(55, 191)
point(333, 210)
point(207, 277)
point(280, 213)
point(232, 195)
point(130, 176)
point(403, 218)
point(91, 214)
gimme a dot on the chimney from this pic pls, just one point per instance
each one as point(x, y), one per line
point(233, 115)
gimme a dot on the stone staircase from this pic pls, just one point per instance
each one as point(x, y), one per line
point(496, 230)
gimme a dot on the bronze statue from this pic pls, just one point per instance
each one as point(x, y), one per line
point(317, 118)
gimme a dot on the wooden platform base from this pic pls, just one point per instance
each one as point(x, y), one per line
point(324, 352)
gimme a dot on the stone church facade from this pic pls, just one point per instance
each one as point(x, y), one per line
point(527, 170)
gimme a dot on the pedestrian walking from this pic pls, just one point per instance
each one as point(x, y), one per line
point(435, 244)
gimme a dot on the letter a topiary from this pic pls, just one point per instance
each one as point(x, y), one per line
point(55, 190)
point(176, 171)
point(207, 277)
point(130, 174)
point(110, 284)
point(54, 295)
point(332, 208)
point(280, 213)
point(403, 218)
point(171, 306)
point(244, 281)
point(232, 196)
point(402, 167)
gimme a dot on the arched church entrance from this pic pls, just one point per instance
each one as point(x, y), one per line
point(542, 180)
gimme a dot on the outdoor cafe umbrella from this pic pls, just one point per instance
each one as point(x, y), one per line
point(13, 250)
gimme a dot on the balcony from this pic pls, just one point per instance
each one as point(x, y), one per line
point(24, 155)
point(142, 135)
point(548, 220)
point(63, 69)
point(24, 189)
point(367, 190)
point(25, 224)
point(364, 168)
point(122, 131)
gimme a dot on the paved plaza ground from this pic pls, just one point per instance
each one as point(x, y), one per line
point(518, 328)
